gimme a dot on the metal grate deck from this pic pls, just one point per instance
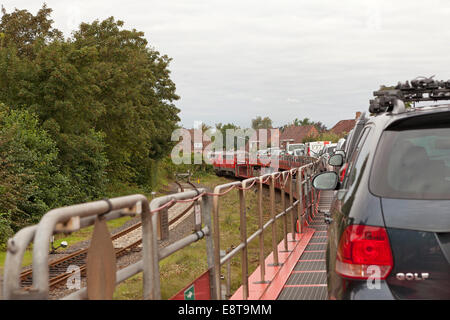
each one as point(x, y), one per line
point(311, 247)
point(306, 293)
point(307, 277)
point(310, 266)
point(308, 280)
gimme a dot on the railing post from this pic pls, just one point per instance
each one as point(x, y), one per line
point(307, 196)
point(15, 252)
point(300, 199)
point(283, 204)
point(216, 236)
point(150, 259)
point(274, 224)
point(243, 227)
point(311, 189)
point(206, 217)
point(316, 192)
point(228, 281)
point(262, 265)
point(291, 204)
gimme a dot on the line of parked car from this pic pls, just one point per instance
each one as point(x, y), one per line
point(389, 223)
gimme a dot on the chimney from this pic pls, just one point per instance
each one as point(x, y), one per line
point(358, 114)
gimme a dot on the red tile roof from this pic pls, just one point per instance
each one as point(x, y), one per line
point(343, 126)
point(298, 133)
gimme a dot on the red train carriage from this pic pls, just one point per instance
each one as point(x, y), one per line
point(239, 164)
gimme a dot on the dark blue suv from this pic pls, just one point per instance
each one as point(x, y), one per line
point(389, 224)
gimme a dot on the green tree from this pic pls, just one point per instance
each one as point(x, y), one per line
point(307, 122)
point(11, 185)
point(135, 95)
point(59, 88)
point(28, 32)
point(104, 95)
point(49, 77)
point(320, 126)
point(223, 130)
point(31, 155)
point(261, 123)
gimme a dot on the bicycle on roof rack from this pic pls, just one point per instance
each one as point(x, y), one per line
point(420, 89)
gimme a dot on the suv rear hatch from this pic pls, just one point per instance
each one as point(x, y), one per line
point(411, 174)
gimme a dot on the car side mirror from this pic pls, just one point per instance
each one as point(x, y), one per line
point(336, 160)
point(326, 181)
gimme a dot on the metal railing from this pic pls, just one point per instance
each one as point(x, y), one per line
point(295, 182)
point(300, 205)
point(73, 218)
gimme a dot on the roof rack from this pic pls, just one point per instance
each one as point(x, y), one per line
point(420, 89)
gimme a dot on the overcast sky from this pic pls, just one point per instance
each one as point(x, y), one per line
point(321, 59)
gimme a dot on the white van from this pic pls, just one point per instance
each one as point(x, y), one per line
point(291, 147)
point(313, 148)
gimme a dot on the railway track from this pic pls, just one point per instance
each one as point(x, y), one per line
point(58, 268)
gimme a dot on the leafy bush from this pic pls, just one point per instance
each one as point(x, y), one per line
point(84, 162)
point(11, 187)
point(29, 154)
point(83, 112)
point(5, 230)
point(104, 93)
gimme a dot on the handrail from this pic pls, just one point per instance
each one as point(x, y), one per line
point(285, 180)
point(300, 205)
point(83, 215)
point(48, 223)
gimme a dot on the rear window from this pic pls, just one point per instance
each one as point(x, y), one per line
point(292, 147)
point(413, 163)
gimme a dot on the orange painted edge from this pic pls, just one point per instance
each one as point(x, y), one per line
point(276, 275)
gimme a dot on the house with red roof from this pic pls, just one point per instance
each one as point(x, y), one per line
point(296, 134)
point(344, 126)
point(280, 136)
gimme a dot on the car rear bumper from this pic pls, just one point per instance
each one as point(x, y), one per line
point(363, 290)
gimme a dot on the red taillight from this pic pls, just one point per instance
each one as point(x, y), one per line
point(363, 250)
point(343, 170)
